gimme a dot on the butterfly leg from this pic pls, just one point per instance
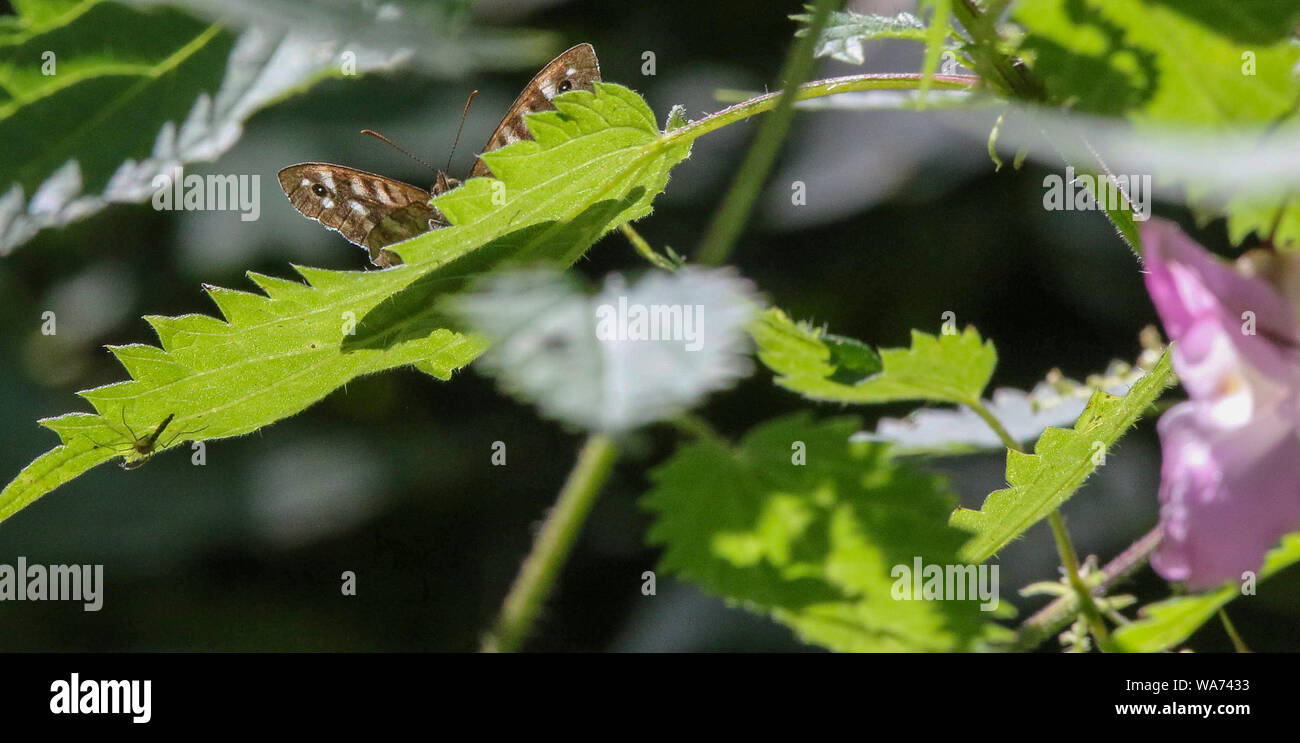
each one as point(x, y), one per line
point(386, 258)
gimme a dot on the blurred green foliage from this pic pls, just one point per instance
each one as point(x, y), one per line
point(390, 477)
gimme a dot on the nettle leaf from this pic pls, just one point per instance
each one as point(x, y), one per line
point(1203, 64)
point(1025, 415)
point(127, 74)
point(153, 89)
point(950, 367)
point(1062, 460)
point(814, 545)
point(846, 31)
point(1165, 624)
point(597, 161)
point(623, 357)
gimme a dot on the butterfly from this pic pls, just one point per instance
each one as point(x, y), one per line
point(373, 211)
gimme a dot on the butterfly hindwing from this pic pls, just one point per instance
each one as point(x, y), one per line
point(374, 212)
point(575, 69)
point(403, 224)
point(345, 199)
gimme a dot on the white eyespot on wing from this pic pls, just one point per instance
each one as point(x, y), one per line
point(356, 206)
point(571, 71)
point(305, 182)
point(328, 180)
point(548, 90)
point(327, 202)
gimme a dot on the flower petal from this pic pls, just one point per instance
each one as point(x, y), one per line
point(1187, 284)
point(1226, 497)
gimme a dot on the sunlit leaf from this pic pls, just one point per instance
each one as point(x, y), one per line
point(1062, 460)
point(816, 545)
point(1167, 623)
point(951, 367)
point(598, 161)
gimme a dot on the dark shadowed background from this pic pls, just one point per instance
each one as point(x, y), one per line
point(391, 477)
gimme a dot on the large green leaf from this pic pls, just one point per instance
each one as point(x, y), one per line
point(138, 92)
point(1062, 460)
point(123, 72)
point(1200, 64)
point(814, 545)
point(1056, 401)
point(846, 31)
point(598, 161)
point(951, 367)
point(1168, 623)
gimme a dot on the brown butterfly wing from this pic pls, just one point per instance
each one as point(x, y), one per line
point(407, 222)
point(354, 202)
point(374, 212)
point(575, 69)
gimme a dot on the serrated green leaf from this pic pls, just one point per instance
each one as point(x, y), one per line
point(137, 92)
point(598, 161)
point(1162, 64)
point(947, 368)
point(559, 347)
point(813, 545)
point(50, 470)
point(125, 72)
point(1053, 402)
point(1167, 623)
point(846, 31)
point(1062, 460)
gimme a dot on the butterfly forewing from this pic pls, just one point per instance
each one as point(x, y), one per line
point(350, 201)
point(575, 69)
point(374, 212)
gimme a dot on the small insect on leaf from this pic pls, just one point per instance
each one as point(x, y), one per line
point(143, 447)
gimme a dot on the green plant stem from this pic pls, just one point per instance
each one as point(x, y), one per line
point(993, 9)
point(763, 103)
point(1064, 546)
point(734, 213)
point(1052, 618)
point(986, 415)
point(643, 248)
point(1070, 559)
point(1000, 70)
point(538, 574)
point(1237, 643)
point(698, 428)
point(1013, 79)
point(816, 89)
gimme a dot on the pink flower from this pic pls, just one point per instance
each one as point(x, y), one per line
point(1230, 477)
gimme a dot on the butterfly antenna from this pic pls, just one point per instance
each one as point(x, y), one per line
point(397, 147)
point(456, 141)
